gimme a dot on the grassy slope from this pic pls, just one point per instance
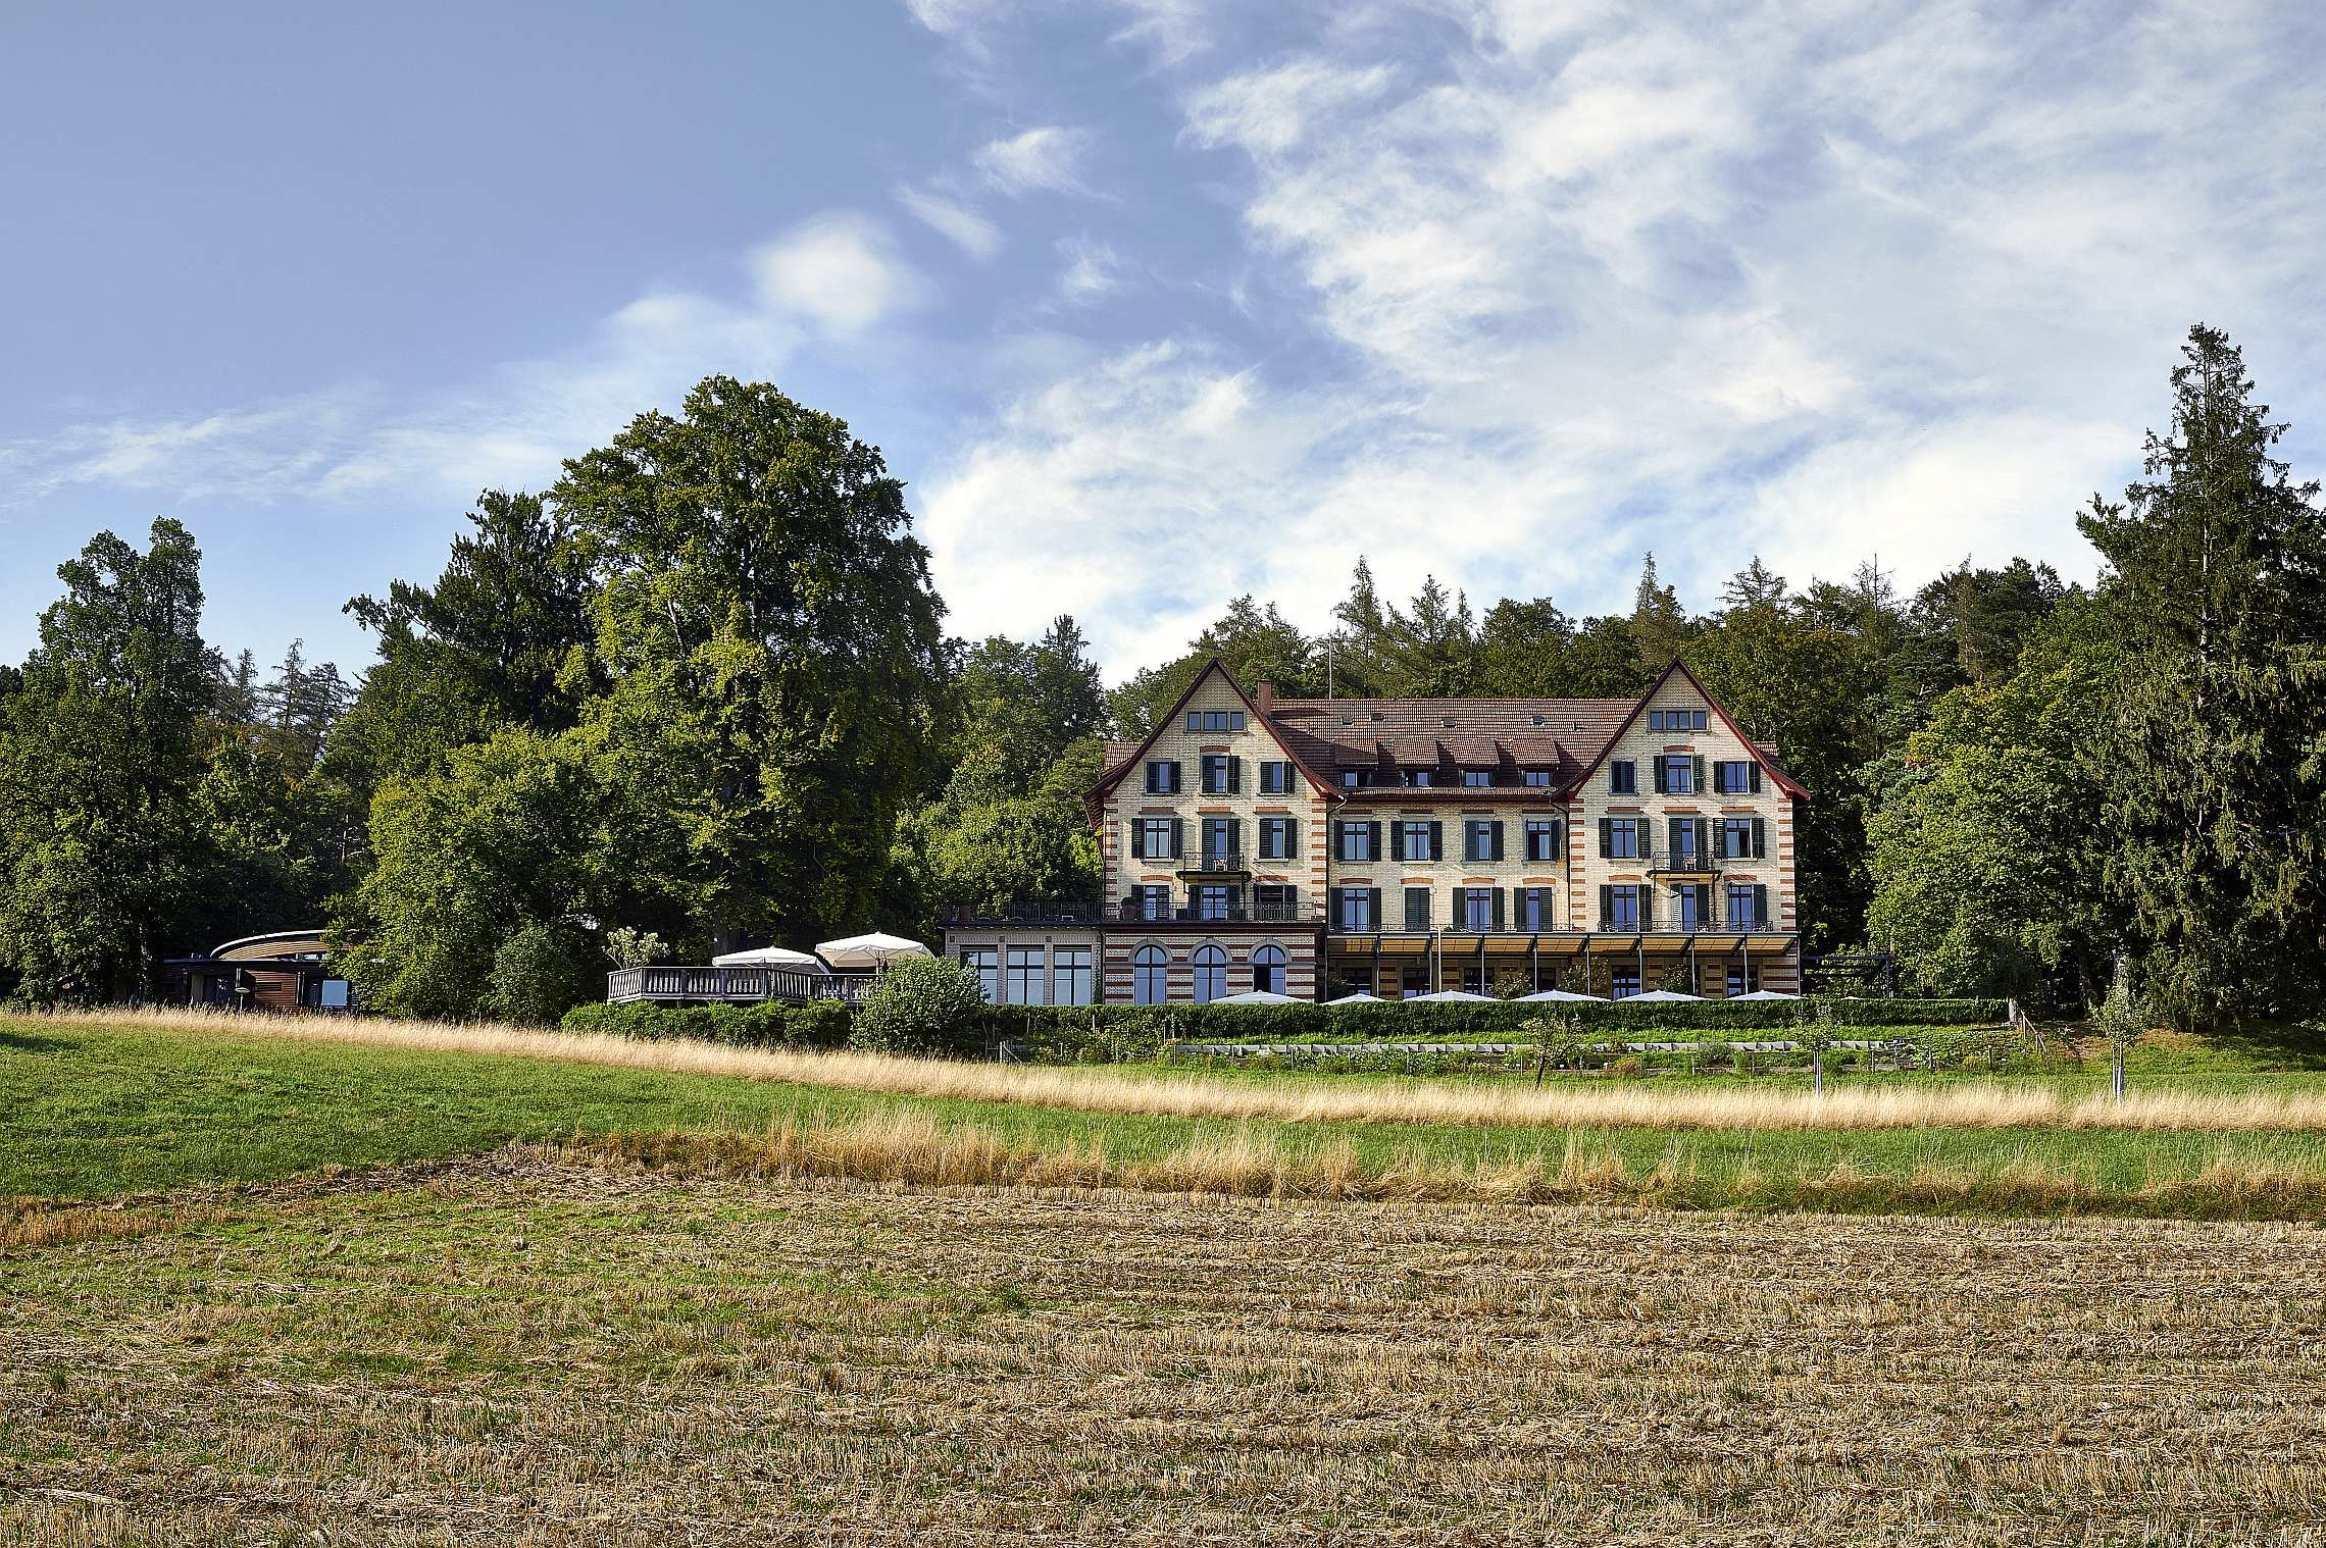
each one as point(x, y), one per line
point(94, 1112)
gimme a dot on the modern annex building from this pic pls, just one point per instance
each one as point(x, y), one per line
point(1316, 847)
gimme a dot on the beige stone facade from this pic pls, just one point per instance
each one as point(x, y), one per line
point(1197, 905)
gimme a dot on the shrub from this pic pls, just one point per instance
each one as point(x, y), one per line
point(538, 973)
point(924, 1005)
point(817, 1024)
point(1629, 1067)
point(1105, 1033)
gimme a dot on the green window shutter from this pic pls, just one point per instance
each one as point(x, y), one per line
point(1606, 904)
point(1291, 832)
point(1700, 772)
point(1437, 841)
point(1138, 840)
point(1373, 904)
point(1397, 841)
point(1606, 838)
point(1235, 835)
point(1373, 840)
point(1760, 839)
point(1501, 920)
point(1656, 764)
point(1178, 849)
point(1760, 907)
point(1235, 774)
point(1673, 827)
point(1753, 776)
point(1496, 830)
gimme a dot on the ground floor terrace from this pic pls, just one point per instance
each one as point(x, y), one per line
point(1194, 961)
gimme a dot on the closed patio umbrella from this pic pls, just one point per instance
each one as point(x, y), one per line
point(1659, 996)
point(1258, 997)
point(1562, 994)
point(1450, 994)
point(1359, 998)
point(1765, 994)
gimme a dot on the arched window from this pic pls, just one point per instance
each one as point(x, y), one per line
point(1211, 973)
point(1148, 975)
point(1268, 969)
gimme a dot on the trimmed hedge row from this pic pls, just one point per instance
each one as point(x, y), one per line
point(817, 1024)
point(1083, 1033)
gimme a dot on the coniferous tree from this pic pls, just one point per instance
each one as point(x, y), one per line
point(1659, 627)
point(2216, 799)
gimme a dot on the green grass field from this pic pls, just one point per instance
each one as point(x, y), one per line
point(256, 1289)
point(92, 1111)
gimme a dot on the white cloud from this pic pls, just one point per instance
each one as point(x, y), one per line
point(834, 275)
point(840, 271)
point(1040, 159)
point(1094, 271)
point(956, 222)
point(1818, 282)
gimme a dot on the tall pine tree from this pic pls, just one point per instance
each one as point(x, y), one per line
point(2216, 588)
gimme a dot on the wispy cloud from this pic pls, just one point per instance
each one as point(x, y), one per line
point(833, 276)
point(1044, 159)
point(975, 235)
point(1094, 270)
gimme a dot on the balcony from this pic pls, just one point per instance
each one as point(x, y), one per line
point(1216, 866)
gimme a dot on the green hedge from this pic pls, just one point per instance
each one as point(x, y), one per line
point(817, 1024)
point(1082, 1033)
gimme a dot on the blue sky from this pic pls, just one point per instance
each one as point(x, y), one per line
point(1153, 302)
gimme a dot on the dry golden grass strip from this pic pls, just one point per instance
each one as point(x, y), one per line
point(911, 1147)
point(1983, 1105)
point(547, 1355)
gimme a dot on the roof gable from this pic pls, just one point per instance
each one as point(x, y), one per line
point(1785, 781)
point(1255, 719)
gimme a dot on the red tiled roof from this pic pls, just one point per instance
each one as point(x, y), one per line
point(1508, 735)
point(1505, 734)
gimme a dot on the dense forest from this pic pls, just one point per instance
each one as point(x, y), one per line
point(698, 693)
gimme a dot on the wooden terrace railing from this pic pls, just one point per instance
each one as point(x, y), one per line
point(731, 985)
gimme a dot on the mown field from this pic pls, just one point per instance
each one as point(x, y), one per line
point(546, 1348)
point(258, 1288)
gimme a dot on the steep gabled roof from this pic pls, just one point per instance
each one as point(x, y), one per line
point(1785, 781)
point(1256, 719)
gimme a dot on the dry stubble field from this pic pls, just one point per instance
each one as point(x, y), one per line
point(542, 1347)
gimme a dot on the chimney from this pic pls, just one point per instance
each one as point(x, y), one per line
point(1264, 696)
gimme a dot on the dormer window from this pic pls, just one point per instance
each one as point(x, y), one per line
point(1538, 779)
point(1420, 778)
point(1477, 779)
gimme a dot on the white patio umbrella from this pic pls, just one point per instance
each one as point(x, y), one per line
point(769, 957)
point(1561, 994)
point(1359, 998)
point(1659, 997)
point(1765, 994)
point(1450, 994)
point(1257, 997)
point(876, 950)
